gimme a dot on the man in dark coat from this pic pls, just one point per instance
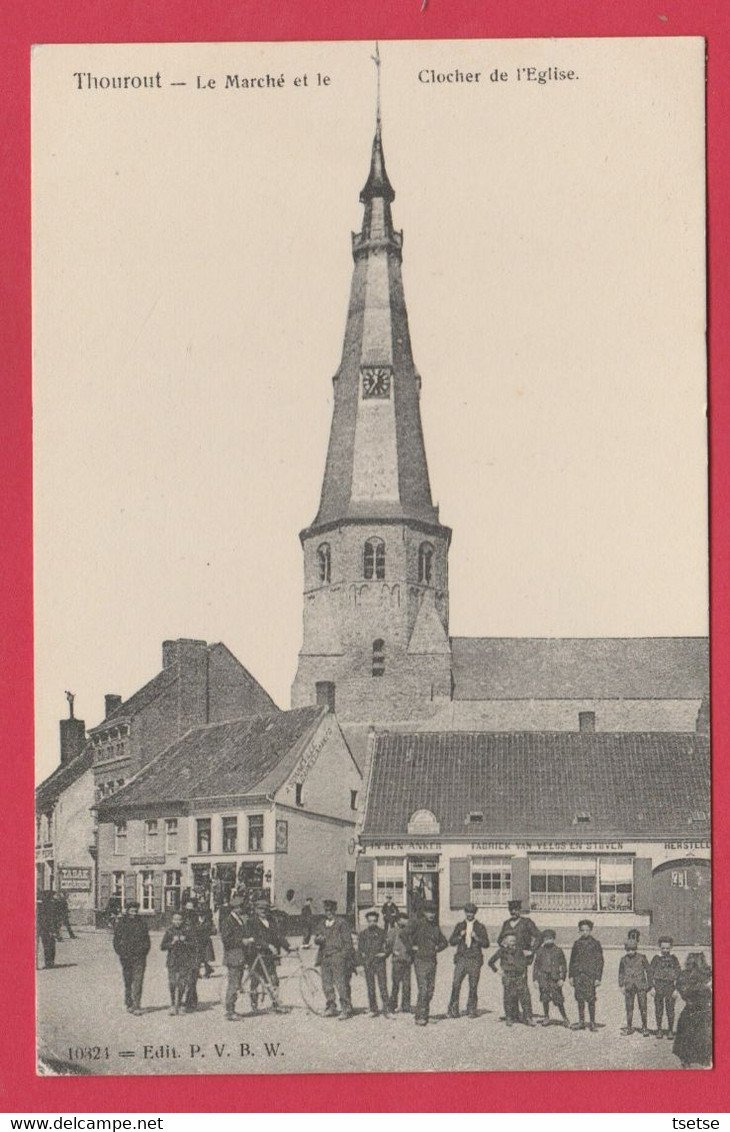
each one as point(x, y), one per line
point(46, 928)
point(389, 910)
point(585, 972)
point(237, 942)
point(515, 965)
point(268, 943)
point(469, 937)
point(634, 979)
point(132, 943)
point(425, 939)
point(528, 939)
point(665, 971)
point(549, 972)
point(372, 951)
point(337, 960)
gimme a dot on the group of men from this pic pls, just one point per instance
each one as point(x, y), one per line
point(51, 916)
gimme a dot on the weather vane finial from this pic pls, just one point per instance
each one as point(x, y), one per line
point(376, 60)
point(70, 697)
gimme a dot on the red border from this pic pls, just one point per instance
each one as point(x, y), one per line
point(47, 21)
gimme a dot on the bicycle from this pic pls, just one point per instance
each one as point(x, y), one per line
point(260, 986)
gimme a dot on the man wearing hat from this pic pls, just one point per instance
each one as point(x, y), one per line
point(132, 943)
point(372, 951)
point(400, 971)
point(665, 970)
point(425, 939)
point(469, 937)
point(237, 940)
point(585, 971)
point(268, 943)
point(527, 936)
point(337, 960)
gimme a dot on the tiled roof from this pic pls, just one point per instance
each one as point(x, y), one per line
point(221, 759)
point(63, 777)
point(557, 668)
point(535, 783)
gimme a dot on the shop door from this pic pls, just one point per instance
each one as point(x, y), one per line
point(423, 884)
point(681, 902)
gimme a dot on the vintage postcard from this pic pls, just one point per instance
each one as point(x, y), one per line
point(372, 689)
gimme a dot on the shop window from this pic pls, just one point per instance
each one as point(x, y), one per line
point(563, 884)
point(203, 835)
point(256, 833)
point(146, 894)
point(491, 881)
point(378, 668)
point(172, 890)
point(118, 888)
point(120, 837)
point(324, 562)
point(390, 880)
point(374, 559)
point(616, 883)
point(150, 836)
point(230, 835)
point(425, 563)
point(171, 835)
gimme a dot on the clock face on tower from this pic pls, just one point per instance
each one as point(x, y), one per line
point(376, 381)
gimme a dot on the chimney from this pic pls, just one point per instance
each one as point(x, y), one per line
point(73, 738)
point(586, 721)
point(111, 703)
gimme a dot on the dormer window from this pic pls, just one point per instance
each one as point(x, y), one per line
point(476, 816)
point(581, 818)
point(374, 559)
point(324, 562)
point(425, 563)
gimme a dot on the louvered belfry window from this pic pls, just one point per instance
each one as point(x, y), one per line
point(379, 657)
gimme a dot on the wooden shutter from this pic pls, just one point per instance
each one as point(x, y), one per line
point(365, 875)
point(130, 888)
point(105, 889)
point(157, 891)
point(521, 881)
point(459, 882)
point(642, 885)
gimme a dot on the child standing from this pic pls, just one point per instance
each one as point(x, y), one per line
point(664, 970)
point(585, 972)
point(180, 944)
point(549, 972)
point(634, 978)
point(514, 964)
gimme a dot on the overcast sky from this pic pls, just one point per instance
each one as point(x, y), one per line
point(191, 273)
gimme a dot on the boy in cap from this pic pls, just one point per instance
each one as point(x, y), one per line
point(372, 952)
point(549, 973)
point(585, 972)
point(527, 935)
point(469, 937)
point(514, 964)
point(634, 978)
point(400, 971)
point(336, 959)
point(180, 943)
point(237, 941)
point(425, 939)
point(664, 971)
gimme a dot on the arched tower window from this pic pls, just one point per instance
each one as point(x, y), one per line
point(425, 562)
point(379, 657)
point(324, 562)
point(374, 559)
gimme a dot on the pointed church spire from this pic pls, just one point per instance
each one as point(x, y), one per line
point(376, 463)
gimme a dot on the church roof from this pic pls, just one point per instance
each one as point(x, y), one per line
point(538, 784)
point(247, 756)
point(555, 668)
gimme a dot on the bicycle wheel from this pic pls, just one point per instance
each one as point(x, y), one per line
point(310, 986)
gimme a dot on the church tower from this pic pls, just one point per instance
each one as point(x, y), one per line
point(376, 609)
